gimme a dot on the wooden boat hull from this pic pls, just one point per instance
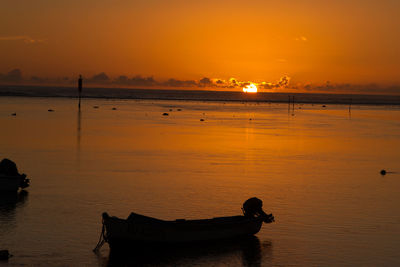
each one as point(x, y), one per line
point(10, 183)
point(141, 231)
point(138, 229)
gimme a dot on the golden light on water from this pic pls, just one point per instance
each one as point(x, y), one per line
point(251, 88)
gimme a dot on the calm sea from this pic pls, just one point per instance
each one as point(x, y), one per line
point(316, 168)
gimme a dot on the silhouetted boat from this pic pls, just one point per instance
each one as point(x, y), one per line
point(10, 179)
point(140, 229)
point(13, 183)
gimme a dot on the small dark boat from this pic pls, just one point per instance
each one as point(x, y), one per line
point(140, 229)
point(10, 179)
point(4, 255)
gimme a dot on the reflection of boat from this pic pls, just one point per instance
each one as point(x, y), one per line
point(10, 199)
point(10, 179)
point(10, 204)
point(146, 230)
point(225, 252)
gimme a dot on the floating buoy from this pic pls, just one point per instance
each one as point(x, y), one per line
point(165, 114)
point(383, 172)
point(4, 255)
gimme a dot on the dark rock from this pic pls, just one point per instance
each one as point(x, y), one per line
point(165, 114)
point(4, 255)
point(50, 110)
point(383, 172)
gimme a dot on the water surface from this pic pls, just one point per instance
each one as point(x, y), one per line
point(316, 169)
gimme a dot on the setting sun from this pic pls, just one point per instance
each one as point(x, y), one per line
point(251, 88)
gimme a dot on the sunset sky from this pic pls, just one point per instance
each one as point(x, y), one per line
point(310, 41)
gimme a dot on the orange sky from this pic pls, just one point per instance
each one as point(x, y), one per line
point(311, 41)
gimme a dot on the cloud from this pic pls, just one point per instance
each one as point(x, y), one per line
point(179, 83)
point(138, 80)
point(370, 88)
point(135, 81)
point(221, 83)
point(122, 79)
point(284, 81)
point(347, 88)
point(24, 38)
point(281, 84)
point(301, 39)
point(14, 75)
point(37, 79)
point(205, 82)
point(99, 78)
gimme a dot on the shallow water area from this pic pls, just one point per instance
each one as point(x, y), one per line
point(317, 169)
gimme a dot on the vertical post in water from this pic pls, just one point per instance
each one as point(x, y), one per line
point(351, 100)
point(79, 91)
point(293, 104)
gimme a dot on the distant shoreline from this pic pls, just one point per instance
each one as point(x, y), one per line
point(197, 95)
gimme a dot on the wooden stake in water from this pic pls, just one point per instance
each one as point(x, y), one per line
point(351, 100)
point(293, 104)
point(79, 90)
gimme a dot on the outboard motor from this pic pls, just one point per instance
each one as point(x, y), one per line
point(9, 168)
point(253, 208)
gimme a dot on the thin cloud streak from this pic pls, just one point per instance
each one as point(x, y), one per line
point(301, 39)
point(25, 38)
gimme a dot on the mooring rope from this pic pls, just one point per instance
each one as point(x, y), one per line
point(102, 239)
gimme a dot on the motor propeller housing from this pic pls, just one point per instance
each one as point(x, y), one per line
point(253, 208)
